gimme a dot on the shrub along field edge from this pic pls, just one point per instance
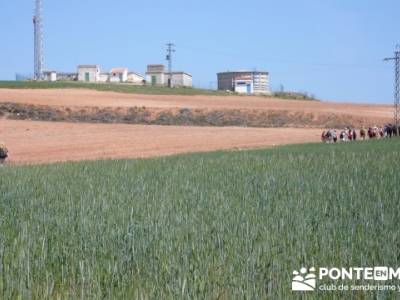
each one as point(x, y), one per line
point(180, 116)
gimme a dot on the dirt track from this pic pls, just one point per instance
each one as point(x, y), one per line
point(81, 97)
point(45, 142)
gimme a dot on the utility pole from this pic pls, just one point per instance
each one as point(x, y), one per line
point(396, 59)
point(170, 50)
point(38, 40)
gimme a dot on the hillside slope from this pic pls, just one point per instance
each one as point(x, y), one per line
point(238, 110)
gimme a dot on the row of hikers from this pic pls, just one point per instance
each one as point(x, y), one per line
point(348, 134)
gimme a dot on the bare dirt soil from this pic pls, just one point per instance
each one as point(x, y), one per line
point(81, 97)
point(33, 142)
point(80, 105)
point(79, 135)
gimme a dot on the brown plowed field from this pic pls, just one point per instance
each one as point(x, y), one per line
point(81, 97)
point(45, 142)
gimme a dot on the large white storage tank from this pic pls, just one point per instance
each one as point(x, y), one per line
point(245, 82)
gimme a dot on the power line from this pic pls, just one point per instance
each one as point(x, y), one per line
point(396, 59)
point(170, 50)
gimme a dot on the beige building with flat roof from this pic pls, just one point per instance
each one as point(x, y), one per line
point(88, 73)
point(156, 75)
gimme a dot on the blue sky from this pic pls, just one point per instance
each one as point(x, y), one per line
point(331, 48)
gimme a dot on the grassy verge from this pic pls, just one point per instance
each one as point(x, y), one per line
point(119, 88)
point(295, 96)
point(224, 225)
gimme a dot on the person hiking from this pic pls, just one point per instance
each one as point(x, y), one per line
point(362, 133)
point(3, 153)
point(389, 130)
point(395, 130)
point(370, 133)
point(334, 135)
point(350, 135)
point(324, 137)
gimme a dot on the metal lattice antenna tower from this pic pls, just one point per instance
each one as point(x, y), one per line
point(38, 40)
point(396, 59)
point(170, 50)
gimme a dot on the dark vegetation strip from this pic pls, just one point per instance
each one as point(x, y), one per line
point(183, 117)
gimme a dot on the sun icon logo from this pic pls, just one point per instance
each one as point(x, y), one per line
point(305, 280)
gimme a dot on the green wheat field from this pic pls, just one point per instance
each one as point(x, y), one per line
point(223, 225)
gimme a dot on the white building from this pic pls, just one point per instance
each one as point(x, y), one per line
point(156, 75)
point(63, 76)
point(244, 82)
point(103, 77)
point(180, 79)
point(50, 76)
point(135, 78)
point(118, 75)
point(88, 73)
point(91, 73)
point(244, 86)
